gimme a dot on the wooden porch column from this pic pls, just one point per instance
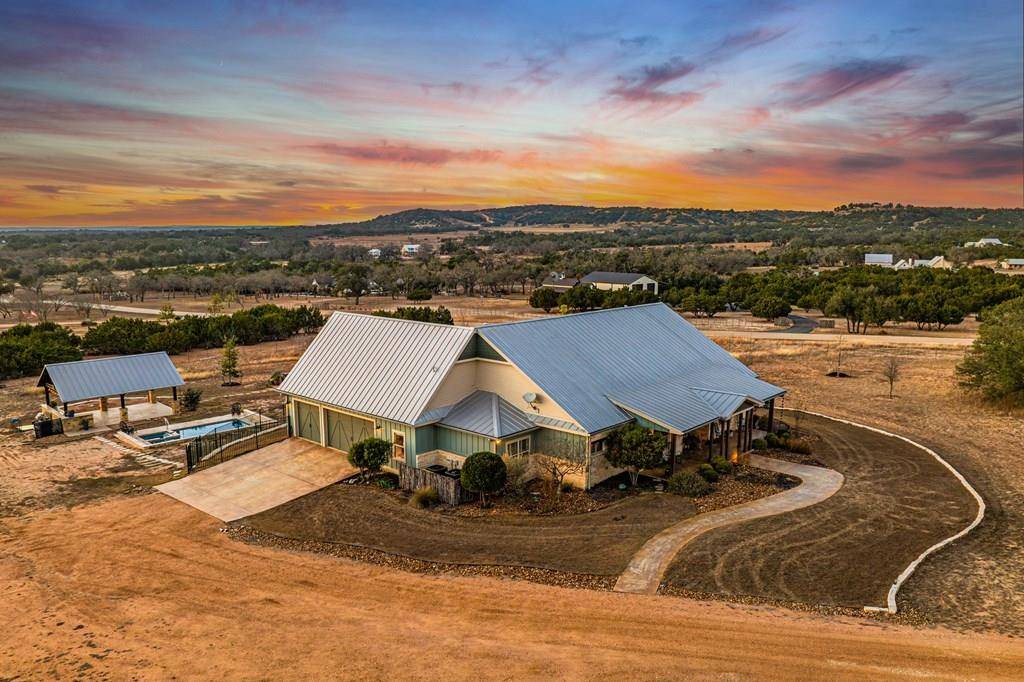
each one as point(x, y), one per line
point(123, 406)
point(710, 431)
point(723, 441)
point(104, 404)
point(174, 392)
point(46, 391)
point(671, 453)
point(151, 397)
point(741, 433)
point(771, 416)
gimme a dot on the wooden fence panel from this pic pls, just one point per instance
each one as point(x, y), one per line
point(449, 489)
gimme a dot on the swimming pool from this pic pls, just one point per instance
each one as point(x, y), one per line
point(190, 432)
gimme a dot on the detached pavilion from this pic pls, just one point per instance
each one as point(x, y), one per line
point(104, 378)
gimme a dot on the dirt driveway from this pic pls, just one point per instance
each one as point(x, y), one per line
point(144, 587)
point(260, 480)
point(896, 501)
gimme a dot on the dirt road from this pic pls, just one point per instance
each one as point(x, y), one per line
point(142, 586)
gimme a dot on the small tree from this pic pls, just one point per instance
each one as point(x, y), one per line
point(189, 400)
point(229, 363)
point(166, 312)
point(770, 307)
point(369, 455)
point(483, 472)
point(544, 298)
point(994, 365)
point(891, 372)
point(634, 448)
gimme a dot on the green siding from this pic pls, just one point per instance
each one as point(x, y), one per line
point(425, 439)
point(390, 427)
point(560, 444)
point(478, 348)
point(647, 424)
point(460, 442)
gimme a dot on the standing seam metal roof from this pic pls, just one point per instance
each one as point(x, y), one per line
point(102, 377)
point(380, 366)
point(488, 414)
point(580, 360)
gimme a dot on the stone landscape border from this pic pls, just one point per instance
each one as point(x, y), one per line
point(894, 589)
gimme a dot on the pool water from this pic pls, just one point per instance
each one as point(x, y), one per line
point(190, 432)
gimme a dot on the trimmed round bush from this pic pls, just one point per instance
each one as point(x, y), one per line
point(688, 484)
point(708, 473)
point(370, 454)
point(722, 465)
point(483, 472)
point(771, 440)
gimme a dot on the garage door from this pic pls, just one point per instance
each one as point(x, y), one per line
point(308, 418)
point(344, 429)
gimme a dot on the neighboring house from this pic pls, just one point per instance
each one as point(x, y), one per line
point(558, 280)
point(612, 281)
point(410, 249)
point(986, 241)
point(934, 262)
point(881, 259)
point(373, 253)
point(553, 386)
point(1012, 264)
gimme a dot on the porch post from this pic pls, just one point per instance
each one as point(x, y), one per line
point(724, 438)
point(174, 392)
point(46, 390)
point(123, 406)
point(671, 453)
point(771, 416)
point(710, 431)
point(741, 433)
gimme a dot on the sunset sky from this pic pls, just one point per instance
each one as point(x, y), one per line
point(162, 113)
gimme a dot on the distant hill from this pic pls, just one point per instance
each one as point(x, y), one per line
point(854, 216)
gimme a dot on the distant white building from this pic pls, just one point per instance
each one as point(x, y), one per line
point(987, 241)
point(1012, 264)
point(880, 259)
point(373, 253)
point(934, 262)
point(613, 281)
point(410, 249)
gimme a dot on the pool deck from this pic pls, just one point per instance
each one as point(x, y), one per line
point(136, 439)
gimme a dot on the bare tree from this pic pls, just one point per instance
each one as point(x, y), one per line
point(891, 372)
point(564, 456)
point(83, 306)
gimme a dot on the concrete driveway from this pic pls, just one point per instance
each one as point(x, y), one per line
point(260, 480)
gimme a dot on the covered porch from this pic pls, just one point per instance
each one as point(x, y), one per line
point(111, 387)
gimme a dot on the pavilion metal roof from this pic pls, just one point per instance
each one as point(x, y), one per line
point(104, 377)
point(380, 366)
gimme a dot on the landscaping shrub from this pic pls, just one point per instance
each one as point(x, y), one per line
point(567, 487)
point(517, 469)
point(439, 315)
point(708, 473)
point(369, 454)
point(759, 444)
point(688, 484)
point(772, 440)
point(799, 446)
point(190, 398)
point(424, 497)
point(419, 295)
point(386, 483)
point(24, 348)
point(276, 378)
point(722, 465)
point(483, 472)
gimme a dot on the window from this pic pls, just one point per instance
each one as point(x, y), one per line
point(597, 447)
point(520, 446)
point(398, 447)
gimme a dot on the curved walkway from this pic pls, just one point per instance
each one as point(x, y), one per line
point(648, 566)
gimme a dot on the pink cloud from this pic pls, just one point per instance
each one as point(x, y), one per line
point(837, 82)
point(404, 153)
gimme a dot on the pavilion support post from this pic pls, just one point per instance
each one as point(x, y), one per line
point(46, 391)
point(104, 404)
point(741, 432)
point(174, 392)
point(771, 416)
point(151, 397)
point(710, 432)
point(123, 405)
point(723, 440)
point(65, 409)
point(671, 453)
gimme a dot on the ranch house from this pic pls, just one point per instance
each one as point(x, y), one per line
point(549, 387)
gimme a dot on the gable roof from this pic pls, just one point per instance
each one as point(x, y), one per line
point(488, 414)
point(588, 361)
point(611, 277)
point(380, 366)
point(556, 279)
point(101, 377)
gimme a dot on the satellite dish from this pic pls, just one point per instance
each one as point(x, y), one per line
point(530, 397)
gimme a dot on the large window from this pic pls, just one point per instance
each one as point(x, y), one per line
point(520, 446)
point(398, 447)
point(597, 446)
